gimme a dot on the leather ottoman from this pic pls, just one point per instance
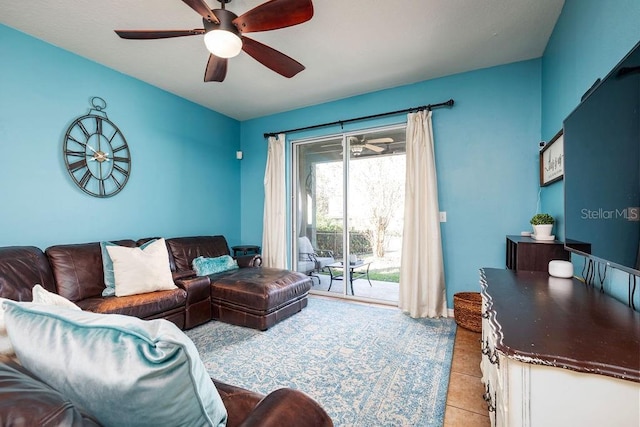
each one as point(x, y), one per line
point(258, 297)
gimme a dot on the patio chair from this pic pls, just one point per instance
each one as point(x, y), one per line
point(310, 260)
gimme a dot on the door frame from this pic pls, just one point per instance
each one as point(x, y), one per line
point(294, 186)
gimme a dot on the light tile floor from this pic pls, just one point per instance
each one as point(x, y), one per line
point(465, 406)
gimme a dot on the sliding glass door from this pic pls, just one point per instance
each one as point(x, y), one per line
point(348, 208)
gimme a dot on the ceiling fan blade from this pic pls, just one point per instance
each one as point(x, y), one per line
point(271, 58)
point(216, 69)
point(274, 14)
point(201, 7)
point(380, 140)
point(374, 148)
point(157, 34)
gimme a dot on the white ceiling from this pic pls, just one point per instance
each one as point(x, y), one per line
point(349, 47)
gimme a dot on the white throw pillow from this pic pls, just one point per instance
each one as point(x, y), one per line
point(43, 296)
point(3, 327)
point(5, 343)
point(40, 296)
point(138, 271)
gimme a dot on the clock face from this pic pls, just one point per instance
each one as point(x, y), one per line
point(97, 155)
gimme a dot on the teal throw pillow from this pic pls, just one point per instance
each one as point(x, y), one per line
point(123, 370)
point(107, 267)
point(205, 266)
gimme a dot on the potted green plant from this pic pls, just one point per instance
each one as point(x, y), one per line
point(542, 224)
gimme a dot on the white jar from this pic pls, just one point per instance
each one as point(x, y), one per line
point(562, 269)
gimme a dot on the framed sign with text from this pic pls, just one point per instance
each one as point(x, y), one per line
point(552, 160)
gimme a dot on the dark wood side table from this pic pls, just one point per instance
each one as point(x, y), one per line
point(525, 253)
point(245, 250)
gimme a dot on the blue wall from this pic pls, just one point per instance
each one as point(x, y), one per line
point(486, 150)
point(184, 178)
point(590, 38)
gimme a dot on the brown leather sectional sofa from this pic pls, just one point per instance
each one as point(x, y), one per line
point(27, 401)
point(249, 296)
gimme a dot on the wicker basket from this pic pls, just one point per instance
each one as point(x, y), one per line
point(467, 310)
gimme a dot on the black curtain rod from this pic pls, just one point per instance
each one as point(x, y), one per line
point(429, 107)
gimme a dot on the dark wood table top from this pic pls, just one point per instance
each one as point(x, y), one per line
point(562, 323)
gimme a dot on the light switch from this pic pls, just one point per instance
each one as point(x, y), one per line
point(443, 217)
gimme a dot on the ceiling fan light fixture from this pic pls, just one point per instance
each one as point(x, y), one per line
point(223, 43)
point(224, 34)
point(222, 38)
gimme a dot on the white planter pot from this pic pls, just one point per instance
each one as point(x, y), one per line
point(543, 229)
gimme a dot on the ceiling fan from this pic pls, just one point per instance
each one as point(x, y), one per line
point(224, 34)
point(358, 144)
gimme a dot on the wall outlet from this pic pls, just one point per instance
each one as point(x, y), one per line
point(443, 217)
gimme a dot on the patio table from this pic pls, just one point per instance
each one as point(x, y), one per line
point(336, 272)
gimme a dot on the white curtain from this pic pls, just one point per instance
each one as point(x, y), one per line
point(274, 235)
point(422, 288)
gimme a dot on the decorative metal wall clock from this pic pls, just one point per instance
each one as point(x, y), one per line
point(96, 153)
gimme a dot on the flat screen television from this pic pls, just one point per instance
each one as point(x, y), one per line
point(602, 169)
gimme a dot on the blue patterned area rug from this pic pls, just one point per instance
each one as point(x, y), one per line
point(366, 366)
